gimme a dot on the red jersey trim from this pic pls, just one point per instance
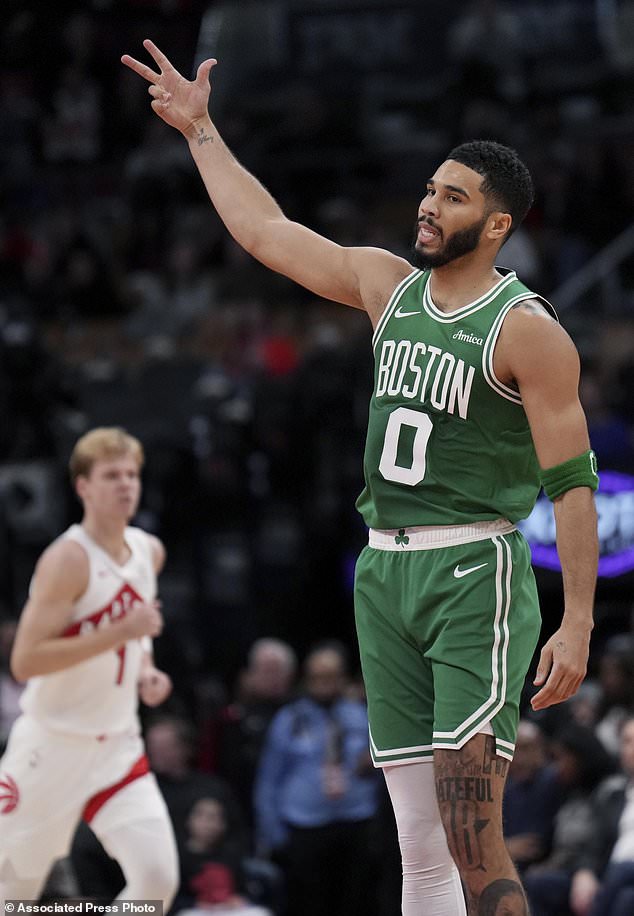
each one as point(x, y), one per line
point(140, 768)
point(117, 607)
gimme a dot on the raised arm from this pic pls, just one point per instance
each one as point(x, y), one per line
point(359, 277)
point(537, 354)
point(40, 646)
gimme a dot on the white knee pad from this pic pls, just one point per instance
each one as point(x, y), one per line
point(431, 884)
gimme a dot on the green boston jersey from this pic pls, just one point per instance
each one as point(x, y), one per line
point(448, 443)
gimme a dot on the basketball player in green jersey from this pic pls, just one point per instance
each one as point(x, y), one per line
point(475, 406)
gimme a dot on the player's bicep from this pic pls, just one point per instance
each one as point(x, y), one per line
point(546, 368)
point(558, 435)
point(61, 575)
point(327, 269)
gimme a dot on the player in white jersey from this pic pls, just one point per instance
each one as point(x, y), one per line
point(84, 646)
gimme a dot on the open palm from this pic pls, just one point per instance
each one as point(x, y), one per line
point(178, 101)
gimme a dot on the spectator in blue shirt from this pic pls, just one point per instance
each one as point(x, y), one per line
point(316, 792)
point(532, 796)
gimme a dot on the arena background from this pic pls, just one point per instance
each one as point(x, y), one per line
point(124, 301)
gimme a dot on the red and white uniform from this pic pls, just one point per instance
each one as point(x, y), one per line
point(77, 752)
point(98, 696)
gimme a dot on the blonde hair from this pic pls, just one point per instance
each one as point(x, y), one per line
point(102, 443)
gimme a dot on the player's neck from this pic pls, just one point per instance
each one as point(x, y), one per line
point(457, 284)
point(109, 535)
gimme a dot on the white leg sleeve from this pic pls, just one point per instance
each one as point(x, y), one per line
point(431, 883)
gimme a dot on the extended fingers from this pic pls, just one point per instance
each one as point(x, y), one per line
point(157, 54)
point(140, 68)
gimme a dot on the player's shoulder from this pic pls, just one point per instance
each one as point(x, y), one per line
point(380, 272)
point(380, 265)
point(64, 561)
point(533, 321)
point(157, 549)
point(152, 543)
point(533, 345)
point(533, 308)
point(65, 550)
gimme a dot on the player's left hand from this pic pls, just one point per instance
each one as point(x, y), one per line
point(154, 686)
point(562, 666)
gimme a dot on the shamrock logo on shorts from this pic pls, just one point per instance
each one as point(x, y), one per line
point(401, 538)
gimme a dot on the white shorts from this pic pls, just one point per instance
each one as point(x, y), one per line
point(50, 781)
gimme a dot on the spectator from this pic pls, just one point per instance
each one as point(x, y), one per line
point(316, 793)
point(581, 762)
point(263, 687)
point(212, 875)
point(531, 798)
point(584, 706)
point(171, 744)
point(616, 679)
point(604, 884)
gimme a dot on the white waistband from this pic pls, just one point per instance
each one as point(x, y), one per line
point(427, 537)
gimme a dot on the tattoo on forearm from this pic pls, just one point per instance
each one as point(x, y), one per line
point(203, 137)
point(503, 897)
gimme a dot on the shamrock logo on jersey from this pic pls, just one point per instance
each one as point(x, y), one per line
point(401, 538)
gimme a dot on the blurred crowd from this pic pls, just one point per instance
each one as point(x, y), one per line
point(123, 301)
point(275, 802)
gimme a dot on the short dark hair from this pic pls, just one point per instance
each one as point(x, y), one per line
point(507, 182)
point(329, 645)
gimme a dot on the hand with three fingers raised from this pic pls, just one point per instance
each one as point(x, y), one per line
point(179, 102)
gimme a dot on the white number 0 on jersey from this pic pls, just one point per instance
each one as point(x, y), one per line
point(421, 423)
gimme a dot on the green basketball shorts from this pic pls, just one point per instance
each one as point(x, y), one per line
point(447, 621)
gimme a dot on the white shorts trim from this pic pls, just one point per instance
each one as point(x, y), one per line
point(418, 748)
point(430, 537)
point(425, 751)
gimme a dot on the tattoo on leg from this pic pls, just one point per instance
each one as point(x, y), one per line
point(466, 827)
point(491, 761)
point(467, 784)
point(503, 897)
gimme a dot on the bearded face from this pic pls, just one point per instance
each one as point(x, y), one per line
point(459, 243)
